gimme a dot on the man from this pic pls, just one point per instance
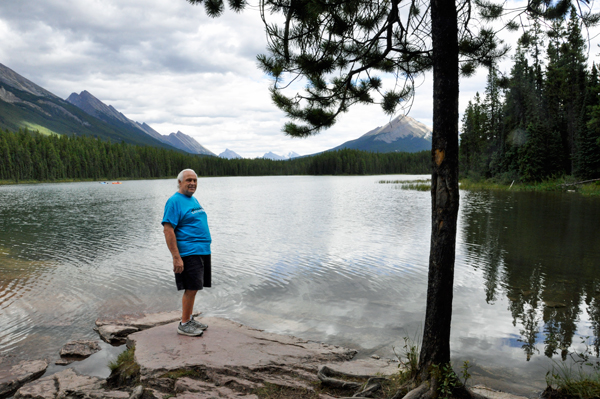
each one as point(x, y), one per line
point(188, 238)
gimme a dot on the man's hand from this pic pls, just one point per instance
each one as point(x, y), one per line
point(177, 264)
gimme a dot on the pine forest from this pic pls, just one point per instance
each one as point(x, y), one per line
point(27, 156)
point(543, 120)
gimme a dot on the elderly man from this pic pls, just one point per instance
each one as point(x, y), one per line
point(188, 238)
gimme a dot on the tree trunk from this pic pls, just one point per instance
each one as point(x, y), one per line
point(435, 347)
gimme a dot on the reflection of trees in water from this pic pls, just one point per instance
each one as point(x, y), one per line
point(539, 250)
point(594, 312)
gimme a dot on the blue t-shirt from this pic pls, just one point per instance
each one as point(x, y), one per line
point(189, 221)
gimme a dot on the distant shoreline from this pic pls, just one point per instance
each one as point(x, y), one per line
point(564, 184)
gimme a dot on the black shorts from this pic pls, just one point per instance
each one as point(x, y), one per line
point(196, 273)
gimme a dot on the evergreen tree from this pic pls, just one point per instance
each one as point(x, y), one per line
point(587, 159)
point(338, 47)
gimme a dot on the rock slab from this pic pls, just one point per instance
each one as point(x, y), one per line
point(79, 349)
point(115, 330)
point(14, 377)
point(226, 344)
point(68, 383)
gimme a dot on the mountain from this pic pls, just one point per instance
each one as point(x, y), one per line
point(94, 107)
point(228, 154)
point(402, 134)
point(187, 144)
point(23, 104)
point(274, 157)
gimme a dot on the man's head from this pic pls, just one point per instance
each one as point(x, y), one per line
point(187, 181)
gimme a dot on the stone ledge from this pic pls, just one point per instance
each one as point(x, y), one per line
point(14, 377)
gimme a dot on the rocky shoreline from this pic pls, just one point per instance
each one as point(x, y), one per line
point(229, 361)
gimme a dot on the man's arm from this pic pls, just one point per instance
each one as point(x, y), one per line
point(172, 244)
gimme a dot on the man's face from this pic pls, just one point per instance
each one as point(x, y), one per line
point(188, 184)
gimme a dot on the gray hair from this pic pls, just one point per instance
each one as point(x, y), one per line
point(180, 175)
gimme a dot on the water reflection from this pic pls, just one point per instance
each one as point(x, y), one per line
point(540, 251)
point(335, 259)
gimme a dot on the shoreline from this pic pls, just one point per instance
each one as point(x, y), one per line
point(230, 360)
point(565, 184)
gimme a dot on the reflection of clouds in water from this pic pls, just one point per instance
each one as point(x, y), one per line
point(336, 259)
point(333, 300)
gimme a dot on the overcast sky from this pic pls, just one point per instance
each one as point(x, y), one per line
point(164, 62)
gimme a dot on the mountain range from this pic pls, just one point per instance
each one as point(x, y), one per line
point(24, 104)
point(110, 115)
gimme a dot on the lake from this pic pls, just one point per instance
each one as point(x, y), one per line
point(336, 259)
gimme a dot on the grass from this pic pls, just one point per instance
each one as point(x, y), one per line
point(409, 358)
point(124, 371)
point(403, 181)
point(417, 185)
point(551, 185)
point(39, 128)
point(568, 381)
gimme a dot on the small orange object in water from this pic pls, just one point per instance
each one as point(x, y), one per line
point(116, 182)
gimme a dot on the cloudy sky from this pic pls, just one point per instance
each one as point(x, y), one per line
point(164, 62)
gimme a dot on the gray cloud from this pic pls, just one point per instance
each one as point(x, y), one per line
point(164, 62)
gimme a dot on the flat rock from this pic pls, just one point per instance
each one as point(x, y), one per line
point(189, 388)
point(80, 349)
point(15, 376)
point(115, 330)
point(365, 367)
point(115, 334)
point(224, 345)
point(492, 394)
point(57, 385)
point(68, 383)
point(142, 321)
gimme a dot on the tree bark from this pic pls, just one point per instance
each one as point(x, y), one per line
point(435, 347)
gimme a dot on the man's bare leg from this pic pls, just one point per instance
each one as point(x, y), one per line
point(187, 305)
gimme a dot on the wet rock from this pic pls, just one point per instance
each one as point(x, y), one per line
point(142, 321)
point(115, 334)
point(58, 384)
point(68, 383)
point(492, 394)
point(79, 349)
point(115, 330)
point(14, 377)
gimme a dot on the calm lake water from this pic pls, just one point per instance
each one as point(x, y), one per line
point(341, 260)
